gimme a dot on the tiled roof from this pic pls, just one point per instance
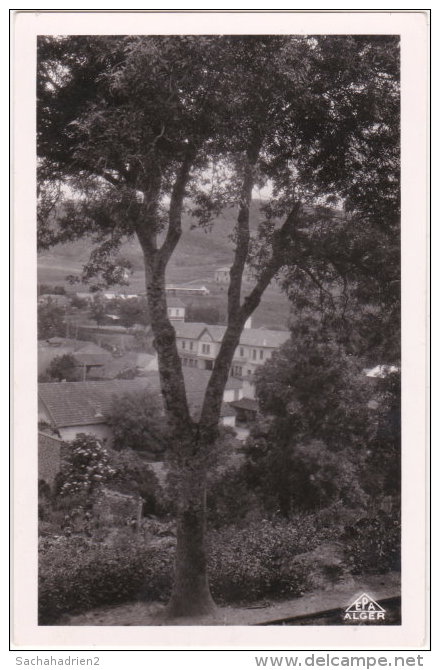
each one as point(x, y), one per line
point(253, 337)
point(189, 330)
point(196, 381)
point(86, 403)
point(262, 337)
point(195, 378)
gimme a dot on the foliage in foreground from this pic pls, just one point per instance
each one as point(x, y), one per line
point(246, 564)
point(373, 543)
point(87, 467)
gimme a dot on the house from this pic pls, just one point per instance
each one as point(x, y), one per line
point(88, 355)
point(222, 275)
point(82, 407)
point(246, 410)
point(199, 343)
point(176, 309)
point(70, 408)
point(186, 290)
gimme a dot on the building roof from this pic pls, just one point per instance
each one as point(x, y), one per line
point(90, 402)
point(253, 337)
point(245, 403)
point(263, 337)
point(195, 378)
point(85, 403)
point(90, 359)
point(174, 302)
point(196, 381)
point(190, 330)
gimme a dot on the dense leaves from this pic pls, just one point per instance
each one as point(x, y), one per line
point(309, 448)
point(87, 468)
point(138, 423)
point(64, 368)
point(140, 127)
point(50, 321)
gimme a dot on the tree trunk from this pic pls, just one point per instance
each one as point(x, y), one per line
point(191, 595)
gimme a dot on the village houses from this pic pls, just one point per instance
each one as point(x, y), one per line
point(69, 408)
point(198, 345)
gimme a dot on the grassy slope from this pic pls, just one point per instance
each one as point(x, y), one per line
point(197, 256)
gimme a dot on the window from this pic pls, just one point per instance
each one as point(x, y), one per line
point(191, 346)
point(254, 354)
point(249, 372)
point(242, 352)
point(206, 348)
point(183, 344)
point(261, 354)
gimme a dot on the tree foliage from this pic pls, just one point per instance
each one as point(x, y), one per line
point(133, 476)
point(87, 469)
point(63, 368)
point(309, 448)
point(138, 423)
point(50, 321)
point(130, 311)
point(143, 127)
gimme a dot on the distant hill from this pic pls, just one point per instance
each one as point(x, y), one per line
point(198, 253)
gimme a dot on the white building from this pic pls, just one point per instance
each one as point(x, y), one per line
point(198, 345)
point(176, 309)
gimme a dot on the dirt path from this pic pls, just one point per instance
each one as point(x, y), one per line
point(152, 614)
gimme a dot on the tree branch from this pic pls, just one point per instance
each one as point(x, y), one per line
point(214, 393)
point(243, 233)
point(174, 231)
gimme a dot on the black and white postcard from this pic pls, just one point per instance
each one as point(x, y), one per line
point(220, 224)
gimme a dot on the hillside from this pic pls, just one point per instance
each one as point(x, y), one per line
point(198, 254)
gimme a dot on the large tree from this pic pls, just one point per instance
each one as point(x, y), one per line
point(142, 127)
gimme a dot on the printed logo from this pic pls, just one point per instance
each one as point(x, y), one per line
point(364, 608)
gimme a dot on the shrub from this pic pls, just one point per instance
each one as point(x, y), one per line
point(64, 367)
point(250, 563)
point(134, 476)
point(245, 565)
point(373, 543)
point(87, 468)
point(76, 576)
point(229, 499)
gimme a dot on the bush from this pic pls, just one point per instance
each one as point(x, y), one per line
point(76, 575)
point(373, 543)
point(229, 499)
point(247, 564)
point(134, 476)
